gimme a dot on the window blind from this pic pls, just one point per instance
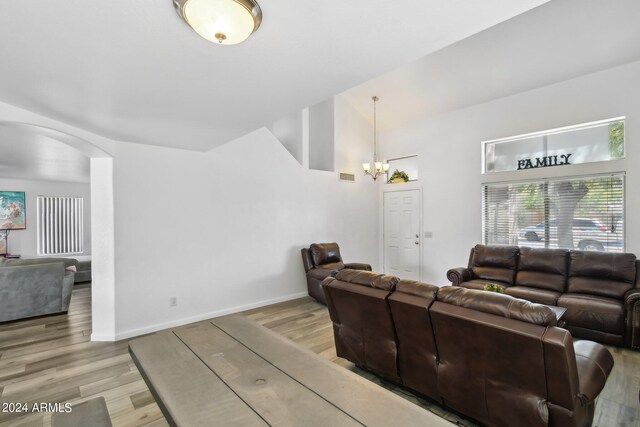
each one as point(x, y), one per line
point(60, 225)
point(585, 213)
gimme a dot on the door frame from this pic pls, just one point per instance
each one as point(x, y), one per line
point(393, 188)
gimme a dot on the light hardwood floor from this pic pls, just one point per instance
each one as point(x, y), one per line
point(51, 359)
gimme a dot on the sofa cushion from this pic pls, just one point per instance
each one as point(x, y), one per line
point(498, 304)
point(593, 312)
point(367, 278)
point(496, 263)
point(604, 274)
point(68, 262)
point(320, 273)
point(332, 266)
point(540, 296)
point(543, 268)
point(325, 253)
point(419, 289)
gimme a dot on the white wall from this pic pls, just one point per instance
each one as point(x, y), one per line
point(221, 232)
point(290, 132)
point(322, 135)
point(449, 152)
point(24, 242)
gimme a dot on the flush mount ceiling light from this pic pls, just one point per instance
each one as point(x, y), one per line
point(221, 21)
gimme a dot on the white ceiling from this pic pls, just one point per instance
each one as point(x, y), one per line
point(34, 154)
point(131, 70)
point(554, 42)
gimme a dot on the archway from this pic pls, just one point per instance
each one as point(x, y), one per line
point(102, 224)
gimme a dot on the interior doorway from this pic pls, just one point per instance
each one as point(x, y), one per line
point(402, 233)
point(51, 157)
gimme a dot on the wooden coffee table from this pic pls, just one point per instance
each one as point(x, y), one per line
point(231, 371)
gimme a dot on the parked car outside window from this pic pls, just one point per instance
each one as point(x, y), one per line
point(588, 234)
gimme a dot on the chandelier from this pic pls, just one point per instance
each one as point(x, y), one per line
point(378, 167)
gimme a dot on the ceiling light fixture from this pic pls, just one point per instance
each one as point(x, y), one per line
point(378, 167)
point(221, 21)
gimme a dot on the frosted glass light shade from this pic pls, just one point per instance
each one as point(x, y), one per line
point(378, 166)
point(221, 21)
point(385, 167)
point(366, 167)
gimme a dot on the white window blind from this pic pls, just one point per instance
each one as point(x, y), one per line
point(584, 213)
point(60, 225)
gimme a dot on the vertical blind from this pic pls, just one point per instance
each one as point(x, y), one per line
point(584, 213)
point(60, 225)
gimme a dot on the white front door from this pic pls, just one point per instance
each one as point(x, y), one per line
point(402, 234)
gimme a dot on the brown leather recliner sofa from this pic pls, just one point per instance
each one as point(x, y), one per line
point(498, 359)
point(321, 260)
point(601, 291)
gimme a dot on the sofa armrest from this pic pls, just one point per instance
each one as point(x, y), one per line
point(459, 275)
point(631, 298)
point(307, 262)
point(632, 314)
point(357, 266)
point(67, 288)
point(594, 363)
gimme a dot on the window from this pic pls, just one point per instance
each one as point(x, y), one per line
point(584, 213)
point(60, 225)
point(407, 164)
point(590, 142)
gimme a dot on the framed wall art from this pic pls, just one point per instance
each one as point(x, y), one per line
point(12, 210)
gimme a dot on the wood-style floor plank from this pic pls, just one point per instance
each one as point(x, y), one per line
point(52, 359)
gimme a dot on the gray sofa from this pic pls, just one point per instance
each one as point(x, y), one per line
point(83, 273)
point(34, 287)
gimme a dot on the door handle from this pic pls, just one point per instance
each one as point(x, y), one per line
point(416, 242)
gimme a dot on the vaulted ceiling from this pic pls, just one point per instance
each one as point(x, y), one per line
point(134, 71)
point(560, 40)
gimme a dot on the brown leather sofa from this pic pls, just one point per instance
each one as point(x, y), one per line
point(498, 359)
point(600, 290)
point(321, 260)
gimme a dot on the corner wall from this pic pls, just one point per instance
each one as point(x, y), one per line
point(449, 149)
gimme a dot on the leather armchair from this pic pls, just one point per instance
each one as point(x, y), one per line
point(322, 260)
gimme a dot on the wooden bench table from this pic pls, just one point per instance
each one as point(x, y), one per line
point(231, 371)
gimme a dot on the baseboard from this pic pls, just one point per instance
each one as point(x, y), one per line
point(184, 321)
point(102, 337)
